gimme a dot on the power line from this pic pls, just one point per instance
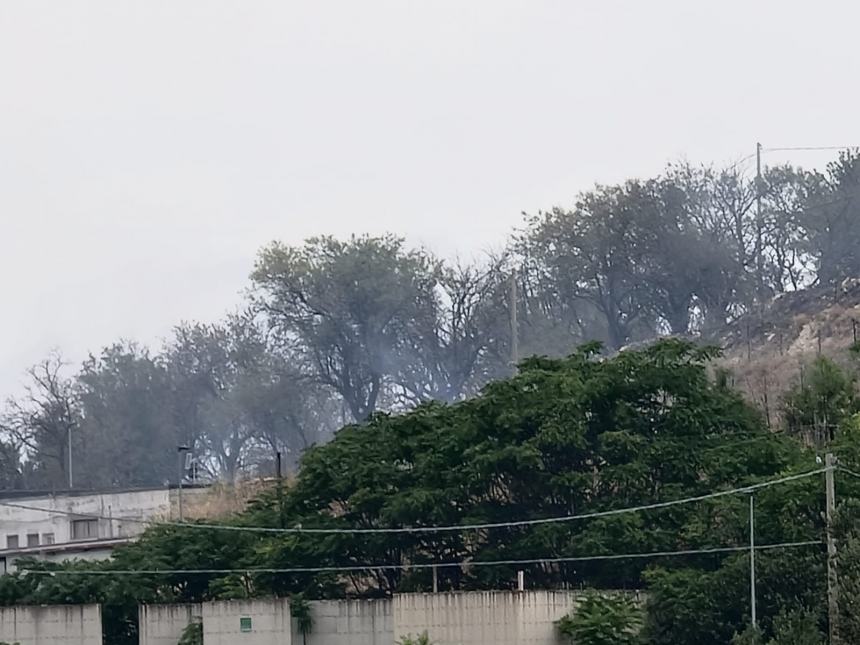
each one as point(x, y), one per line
point(740, 161)
point(808, 148)
point(751, 156)
point(464, 563)
point(848, 471)
point(444, 528)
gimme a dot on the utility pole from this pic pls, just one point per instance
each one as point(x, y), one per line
point(180, 451)
point(515, 330)
point(752, 563)
point(278, 467)
point(832, 581)
point(71, 478)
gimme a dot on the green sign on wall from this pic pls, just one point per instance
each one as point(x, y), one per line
point(245, 624)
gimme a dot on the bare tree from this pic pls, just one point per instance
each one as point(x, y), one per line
point(42, 420)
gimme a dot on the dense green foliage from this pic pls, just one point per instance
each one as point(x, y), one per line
point(817, 407)
point(192, 635)
point(603, 620)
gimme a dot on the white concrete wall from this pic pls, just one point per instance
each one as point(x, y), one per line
point(455, 618)
point(52, 625)
point(271, 624)
point(497, 617)
point(164, 624)
point(349, 622)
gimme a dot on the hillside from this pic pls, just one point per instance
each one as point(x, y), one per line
point(766, 352)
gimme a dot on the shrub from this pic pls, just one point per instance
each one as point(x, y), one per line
point(603, 620)
point(192, 635)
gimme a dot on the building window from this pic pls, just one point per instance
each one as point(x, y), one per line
point(47, 538)
point(85, 529)
point(11, 541)
point(32, 539)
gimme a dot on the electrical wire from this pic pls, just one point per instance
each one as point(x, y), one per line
point(445, 528)
point(739, 162)
point(848, 471)
point(423, 565)
point(808, 148)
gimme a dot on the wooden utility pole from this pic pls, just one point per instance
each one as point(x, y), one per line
point(832, 581)
point(515, 330)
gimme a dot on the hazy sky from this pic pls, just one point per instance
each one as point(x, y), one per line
point(149, 148)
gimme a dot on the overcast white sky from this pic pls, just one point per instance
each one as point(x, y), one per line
point(149, 148)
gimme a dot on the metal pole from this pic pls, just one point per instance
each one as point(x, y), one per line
point(832, 581)
point(71, 479)
point(435, 579)
point(752, 563)
point(278, 466)
point(179, 453)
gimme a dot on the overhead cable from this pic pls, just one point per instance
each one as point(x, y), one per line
point(444, 528)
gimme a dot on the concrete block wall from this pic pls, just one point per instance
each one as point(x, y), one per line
point(349, 622)
point(498, 617)
point(270, 622)
point(468, 618)
point(454, 618)
point(52, 625)
point(164, 624)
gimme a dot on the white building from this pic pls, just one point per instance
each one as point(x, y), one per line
point(83, 525)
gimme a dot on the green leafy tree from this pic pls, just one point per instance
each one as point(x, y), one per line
point(751, 635)
point(346, 303)
point(830, 220)
point(127, 436)
point(600, 619)
point(797, 627)
point(192, 634)
point(594, 254)
point(822, 403)
point(300, 609)
point(564, 436)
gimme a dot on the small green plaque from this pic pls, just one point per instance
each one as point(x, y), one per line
point(245, 624)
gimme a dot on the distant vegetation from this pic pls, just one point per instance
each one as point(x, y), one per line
point(335, 330)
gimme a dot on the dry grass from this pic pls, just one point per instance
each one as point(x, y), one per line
point(788, 336)
point(224, 499)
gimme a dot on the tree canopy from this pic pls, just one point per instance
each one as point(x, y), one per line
point(335, 330)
